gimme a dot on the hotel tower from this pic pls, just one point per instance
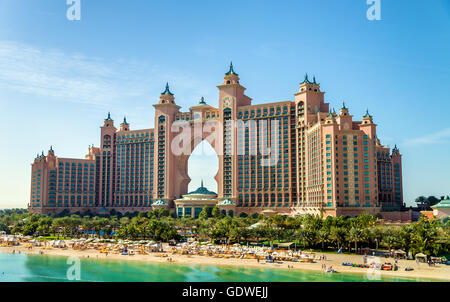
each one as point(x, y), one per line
point(326, 162)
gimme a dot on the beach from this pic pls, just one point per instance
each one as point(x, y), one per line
point(439, 272)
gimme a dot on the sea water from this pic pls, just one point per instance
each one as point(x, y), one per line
point(43, 268)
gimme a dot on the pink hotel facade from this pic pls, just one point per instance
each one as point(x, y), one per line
point(328, 163)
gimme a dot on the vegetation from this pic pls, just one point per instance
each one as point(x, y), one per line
point(306, 232)
point(425, 203)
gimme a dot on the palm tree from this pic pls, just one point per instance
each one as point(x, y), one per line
point(376, 234)
point(337, 234)
point(322, 237)
point(302, 234)
point(389, 241)
point(354, 235)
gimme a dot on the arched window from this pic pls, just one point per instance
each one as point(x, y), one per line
point(107, 141)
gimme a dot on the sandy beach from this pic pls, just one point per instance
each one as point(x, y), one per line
point(438, 272)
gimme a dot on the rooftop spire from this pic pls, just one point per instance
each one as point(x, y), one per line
point(330, 114)
point(51, 149)
point(167, 91)
point(314, 81)
point(231, 71)
point(306, 79)
point(202, 101)
point(343, 105)
point(202, 184)
point(367, 114)
point(124, 121)
point(109, 117)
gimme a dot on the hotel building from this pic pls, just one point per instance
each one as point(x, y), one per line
point(327, 162)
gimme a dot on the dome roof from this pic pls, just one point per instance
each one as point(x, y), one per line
point(202, 191)
point(445, 203)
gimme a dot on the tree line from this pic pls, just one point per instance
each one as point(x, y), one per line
point(431, 237)
point(425, 203)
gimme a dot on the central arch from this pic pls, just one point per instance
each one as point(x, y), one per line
point(203, 165)
point(181, 169)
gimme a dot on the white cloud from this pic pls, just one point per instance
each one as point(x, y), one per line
point(433, 138)
point(78, 78)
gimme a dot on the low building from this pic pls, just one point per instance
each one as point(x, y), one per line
point(442, 209)
point(192, 204)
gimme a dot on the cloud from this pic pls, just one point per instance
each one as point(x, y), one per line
point(54, 74)
point(433, 138)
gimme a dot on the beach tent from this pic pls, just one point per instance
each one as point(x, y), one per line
point(286, 244)
point(400, 253)
point(421, 257)
point(59, 243)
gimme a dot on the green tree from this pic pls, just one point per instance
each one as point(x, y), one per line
point(354, 235)
point(216, 213)
point(204, 213)
point(337, 235)
point(322, 237)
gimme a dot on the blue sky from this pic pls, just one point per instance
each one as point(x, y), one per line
point(59, 78)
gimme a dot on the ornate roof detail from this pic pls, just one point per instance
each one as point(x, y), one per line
point(160, 202)
point(367, 115)
point(231, 71)
point(125, 121)
point(445, 203)
point(109, 117)
point(306, 80)
point(226, 202)
point(202, 101)
point(167, 91)
point(334, 113)
point(343, 106)
point(202, 191)
point(330, 115)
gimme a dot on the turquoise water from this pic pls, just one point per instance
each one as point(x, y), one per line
point(43, 268)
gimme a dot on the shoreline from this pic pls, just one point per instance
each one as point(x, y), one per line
point(438, 273)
